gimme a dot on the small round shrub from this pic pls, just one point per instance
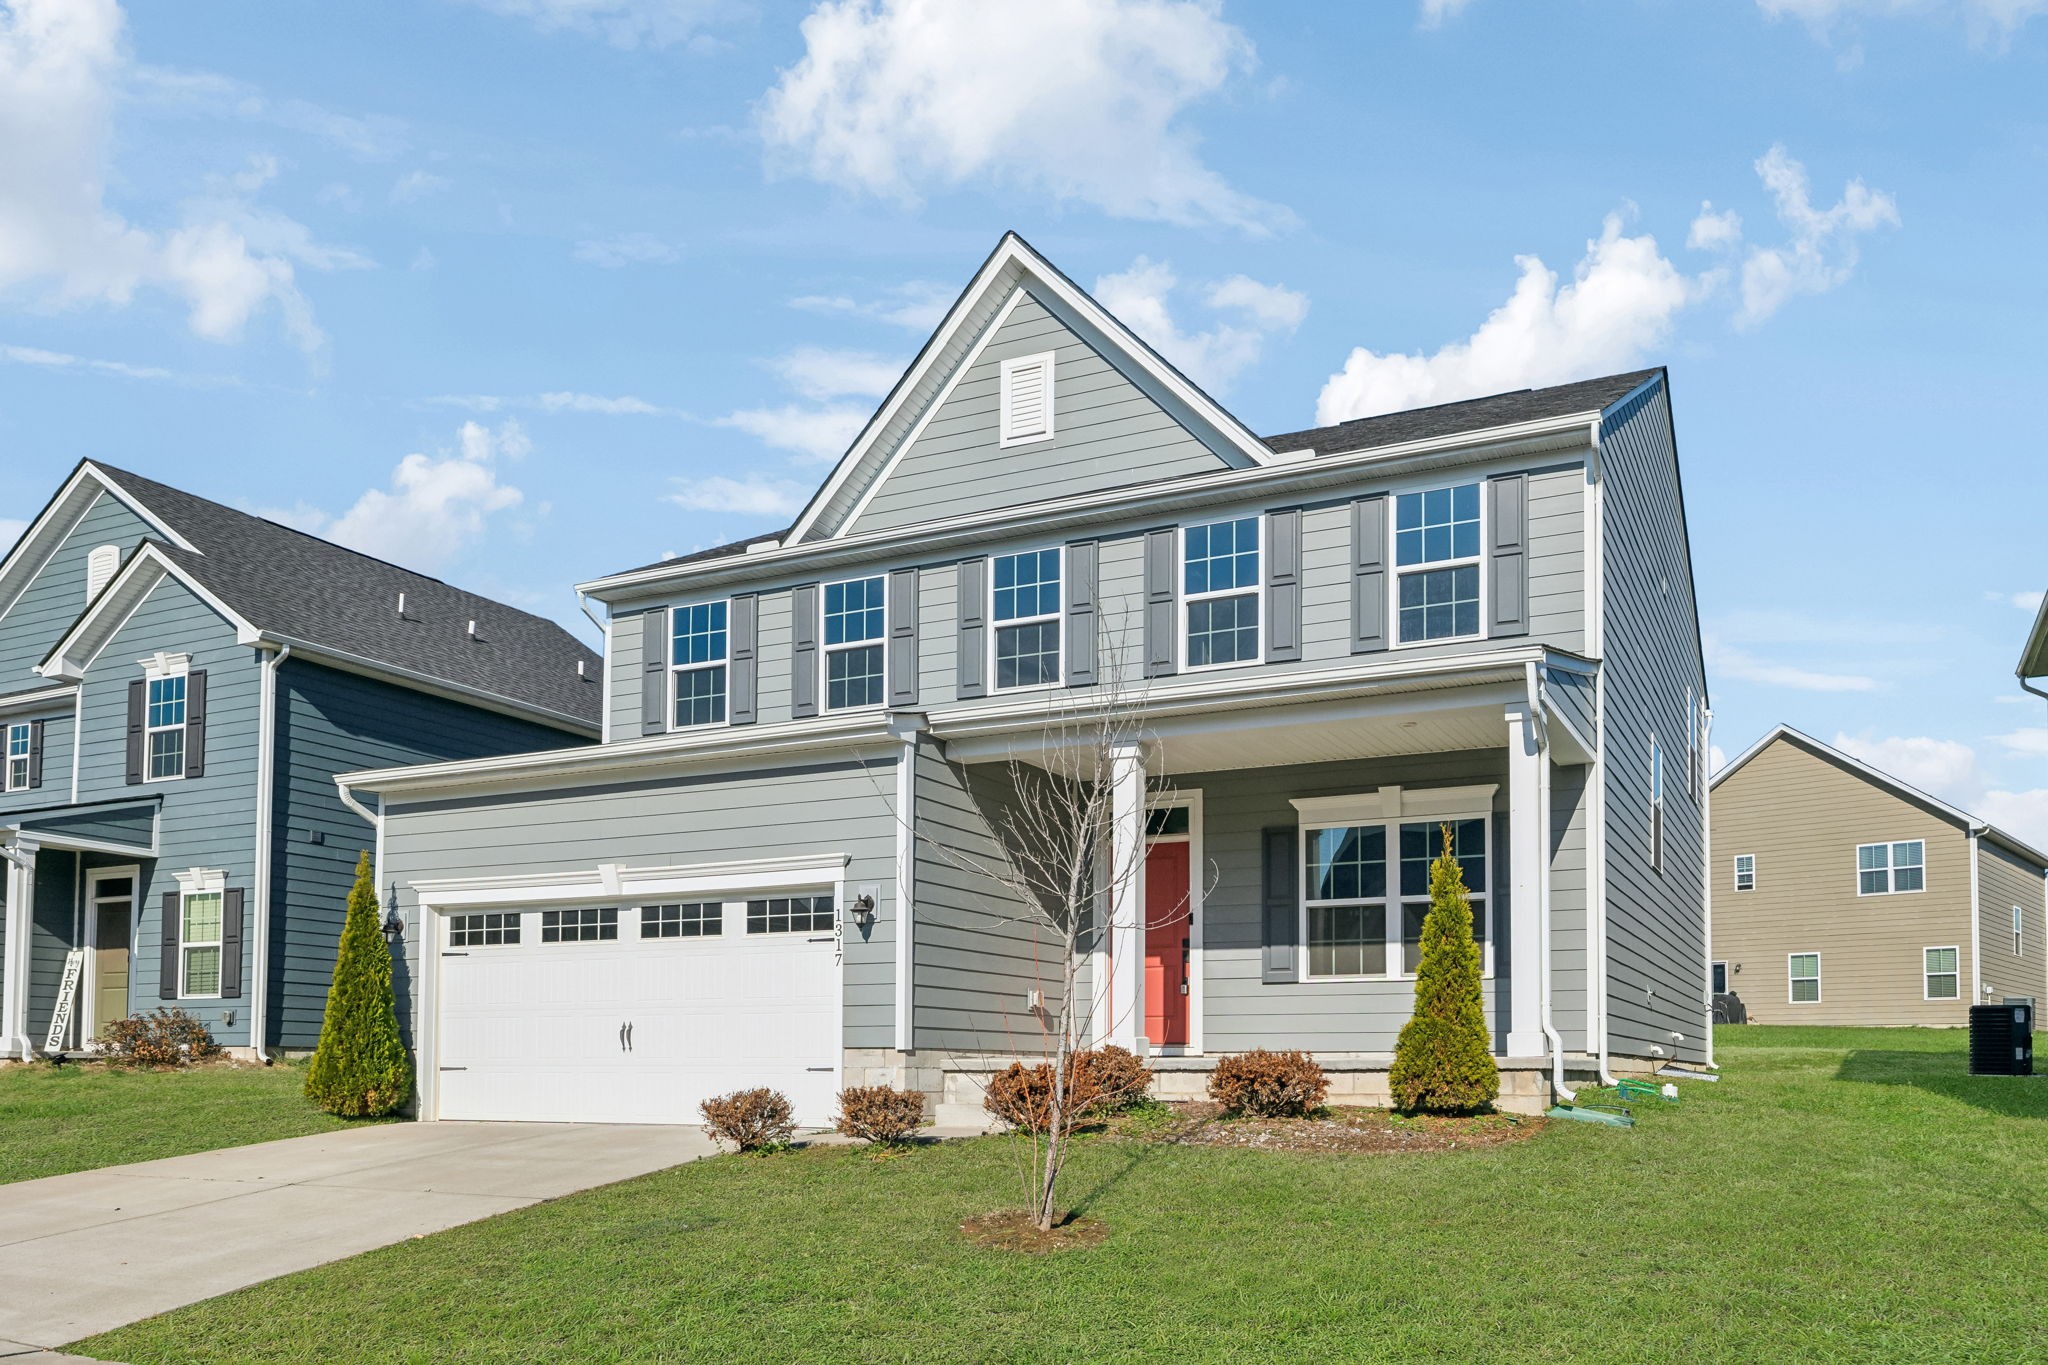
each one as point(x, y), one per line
point(1268, 1084)
point(1120, 1079)
point(160, 1038)
point(880, 1114)
point(750, 1119)
point(1021, 1096)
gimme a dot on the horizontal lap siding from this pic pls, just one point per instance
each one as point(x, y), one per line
point(1575, 696)
point(54, 599)
point(2005, 881)
point(979, 949)
point(622, 677)
point(1569, 964)
point(330, 722)
point(1656, 938)
point(1107, 434)
point(828, 808)
point(1802, 816)
point(207, 821)
point(56, 788)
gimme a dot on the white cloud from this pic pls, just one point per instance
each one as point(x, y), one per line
point(436, 506)
point(2032, 741)
point(2022, 813)
point(625, 405)
point(1080, 100)
point(1717, 758)
point(1713, 231)
point(416, 185)
point(1822, 251)
point(60, 63)
point(1140, 297)
point(1620, 304)
point(622, 23)
point(10, 531)
point(1730, 662)
point(1435, 12)
point(58, 360)
point(752, 496)
point(1949, 769)
point(633, 248)
point(2026, 601)
point(371, 137)
point(1987, 21)
point(820, 434)
point(918, 305)
point(819, 373)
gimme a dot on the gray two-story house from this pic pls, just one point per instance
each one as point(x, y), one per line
point(179, 684)
point(782, 865)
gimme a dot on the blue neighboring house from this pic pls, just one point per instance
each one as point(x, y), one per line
point(179, 684)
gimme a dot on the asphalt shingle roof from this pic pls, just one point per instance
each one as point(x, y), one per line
point(298, 586)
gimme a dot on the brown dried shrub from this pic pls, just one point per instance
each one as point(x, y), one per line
point(750, 1120)
point(1268, 1084)
point(1100, 1081)
point(1121, 1079)
point(160, 1038)
point(879, 1114)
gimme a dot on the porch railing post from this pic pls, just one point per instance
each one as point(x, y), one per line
point(20, 865)
point(1525, 873)
point(1126, 898)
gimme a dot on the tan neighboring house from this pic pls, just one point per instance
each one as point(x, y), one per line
point(1843, 896)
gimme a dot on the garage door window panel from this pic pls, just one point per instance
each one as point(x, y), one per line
point(579, 926)
point(494, 929)
point(790, 915)
point(696, 920)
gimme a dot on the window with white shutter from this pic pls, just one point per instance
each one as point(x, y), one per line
point(1027, 399)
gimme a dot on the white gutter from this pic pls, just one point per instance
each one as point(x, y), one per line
point(1537, 716)
point(1976, 923)
point(1707, 871)
point(266, 787)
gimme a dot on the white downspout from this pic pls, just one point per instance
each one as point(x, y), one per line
point(1543, 987)
point(1706, 781)
point(266, 789)
point(1976, 922)
point(1596, 646)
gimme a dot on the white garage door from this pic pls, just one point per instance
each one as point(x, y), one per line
point(637, 1014)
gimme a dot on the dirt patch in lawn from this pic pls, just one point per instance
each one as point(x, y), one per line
point(1016, 1230)
point(1331, 1130)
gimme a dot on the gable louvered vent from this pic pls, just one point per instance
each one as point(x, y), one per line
point(100, 566)
point(1027, 399)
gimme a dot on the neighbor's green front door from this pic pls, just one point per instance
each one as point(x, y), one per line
point(114, 904)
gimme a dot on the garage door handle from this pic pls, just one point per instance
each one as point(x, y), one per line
point(817, 1068)
point(455, 1068)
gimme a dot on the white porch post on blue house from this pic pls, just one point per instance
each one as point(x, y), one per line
point(21, 899)
point(1526, 849)
point(1127, 899)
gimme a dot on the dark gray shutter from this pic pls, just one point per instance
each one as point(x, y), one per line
point(195, 724)
point(1081, 613)
point(138, 700)
point(901, 668)
point(1283, 585)
point(654, 650)
point(1369, 575)
point(803, 660)
point(1161, 599)
point(231, 944)
point(743, 673)
point(972, 660)
point(1280, 915)
point(35, 753)
point(167, 966)
point(1507, 551)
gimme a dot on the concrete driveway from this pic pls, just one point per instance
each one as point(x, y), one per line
point(86, 1252)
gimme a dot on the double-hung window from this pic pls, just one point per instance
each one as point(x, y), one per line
point(1220, 580)
point(855, 625)
point(18, 741)
point(1944, 979)
point(1026, 613)
point(1360, 925)
point(1803, 969)
point(2017, 916)
point(1436, 557)
point(1889, 869)
point(1656, 806)
point(199, 943)
point(165, 727)
point(697, 659)
point(1745, 872)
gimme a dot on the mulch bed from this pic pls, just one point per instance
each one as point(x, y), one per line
point(1335, 1131)
point(1015, 1230)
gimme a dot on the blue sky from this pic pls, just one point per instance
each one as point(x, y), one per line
point(522, 291)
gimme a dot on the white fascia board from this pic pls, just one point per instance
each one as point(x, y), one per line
point(1550, 434)
point(59, 519)
point(41, 697)
point(123, 596)
point(140, 509)
point(2034, 657)
point(614, 883)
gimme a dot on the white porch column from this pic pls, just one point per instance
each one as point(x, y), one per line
point(21, 901)
point(1127, 899)
point(1526, 872)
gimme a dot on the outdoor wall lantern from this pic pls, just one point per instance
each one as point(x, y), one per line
point(394, 927)
point(864, 909)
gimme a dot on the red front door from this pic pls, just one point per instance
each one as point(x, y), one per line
point(1166, 944)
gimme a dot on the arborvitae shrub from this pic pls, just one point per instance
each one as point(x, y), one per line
point(361, 1068)
point(880, 1114)
point(1268, 1084)
point(1443, 1061)
point(750, 1119)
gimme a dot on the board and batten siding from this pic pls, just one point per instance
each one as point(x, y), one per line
point(828, 807)
point(1802, 816)
point(2006, 880)
point(207, 821)
point(329, 722)
point(53, 599)
point(1656, 921)
point(1107, 433)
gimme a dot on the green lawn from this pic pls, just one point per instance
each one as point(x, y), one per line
point(73, 1118)
point(1843, 1195)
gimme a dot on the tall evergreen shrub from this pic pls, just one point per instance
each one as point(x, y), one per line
point(361, 1069)
point(1443, 1062)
